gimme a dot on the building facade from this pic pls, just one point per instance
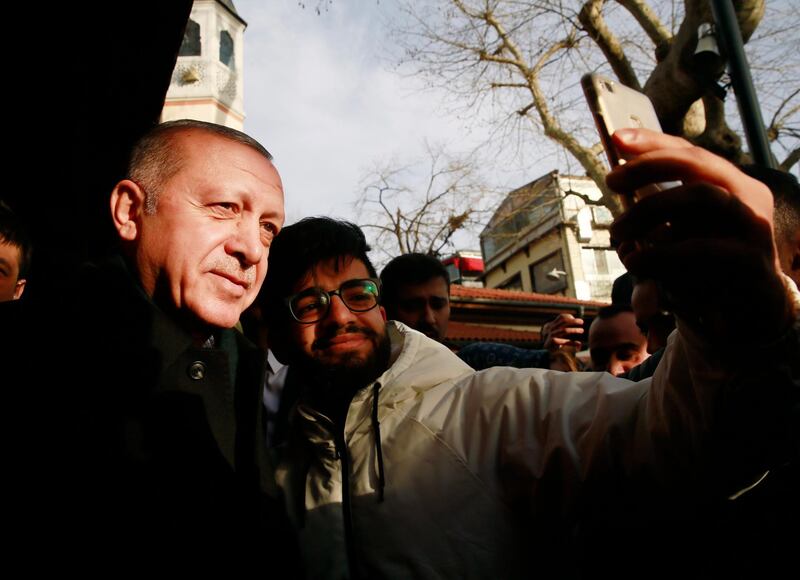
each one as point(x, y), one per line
point(544, 238)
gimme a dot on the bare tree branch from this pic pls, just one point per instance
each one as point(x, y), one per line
point(591, 17)
point(648, 20)
point(411, 211)
point(791, 160)
point(520, 60)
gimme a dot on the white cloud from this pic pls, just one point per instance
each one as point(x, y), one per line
point(319, 97)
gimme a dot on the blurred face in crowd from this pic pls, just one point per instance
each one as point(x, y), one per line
point(425, 307)
point(341, 338)
point(11, 286)
point(203, 252)
point(616, 344)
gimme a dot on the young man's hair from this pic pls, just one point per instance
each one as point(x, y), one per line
point(613, 310)
point(301, 246)
point(409, 269)
point(155, 158)
point(14, 232)
point(622, 289)
point(786, 192)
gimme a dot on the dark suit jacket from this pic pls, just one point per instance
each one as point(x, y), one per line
point(170, 456)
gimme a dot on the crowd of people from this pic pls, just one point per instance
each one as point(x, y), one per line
point(390, 455)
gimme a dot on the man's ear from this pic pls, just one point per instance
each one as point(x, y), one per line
point(383, 312)
point(127, 207)
point(20, 288)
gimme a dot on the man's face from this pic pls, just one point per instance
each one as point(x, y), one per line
point(11, 286)
point(425, 307)
point(205, 249)
point(616, 344)
point(343, 339)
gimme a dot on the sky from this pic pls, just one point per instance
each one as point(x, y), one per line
point(320, 92)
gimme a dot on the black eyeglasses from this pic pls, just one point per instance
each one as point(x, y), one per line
point(312, 304)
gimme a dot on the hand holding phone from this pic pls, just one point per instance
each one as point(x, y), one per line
point(615, 106)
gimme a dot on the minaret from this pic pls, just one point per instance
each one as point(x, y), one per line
point(207, 81)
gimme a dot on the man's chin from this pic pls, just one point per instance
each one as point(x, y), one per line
point(218, 313)
point(354, 368)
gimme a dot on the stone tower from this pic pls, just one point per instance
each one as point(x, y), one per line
point(207, 82)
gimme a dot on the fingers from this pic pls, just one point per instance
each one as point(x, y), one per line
point(560, 332)
point(690, 211)
point(719, 286)
point(711, 254)
point(663, 158)
point(638, 141)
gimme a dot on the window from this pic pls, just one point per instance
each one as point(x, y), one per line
point(600, 261)
point(513, 283)
point(596, 261)
point(602, 215)
point(191, 40)
point(226, 48)
point(549, 276)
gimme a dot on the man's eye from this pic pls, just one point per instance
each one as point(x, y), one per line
point(438, 303)
point(310, 307)
point(225, 208)
point(360, 297)
point(268, 232)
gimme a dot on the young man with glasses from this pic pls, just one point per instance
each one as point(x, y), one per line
point(402, 461)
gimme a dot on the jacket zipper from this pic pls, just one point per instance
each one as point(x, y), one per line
point(344, 458)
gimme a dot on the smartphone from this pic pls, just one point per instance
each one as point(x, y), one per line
point(615, 106)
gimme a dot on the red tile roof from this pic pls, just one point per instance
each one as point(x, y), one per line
point(475, 332)
point(497, 294)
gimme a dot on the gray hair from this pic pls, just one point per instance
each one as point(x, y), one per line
point(154, 159)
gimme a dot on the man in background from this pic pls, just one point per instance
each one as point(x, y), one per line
point(15, 255)
point(416, 292)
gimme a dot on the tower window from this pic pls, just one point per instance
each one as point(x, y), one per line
point(226, 48)
point(191, 40)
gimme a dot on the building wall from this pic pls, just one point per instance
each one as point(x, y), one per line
point(518, 263)
point(580, 233)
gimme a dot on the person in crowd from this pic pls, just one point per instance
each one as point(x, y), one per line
point(170, 457)
point(786, 191)
point(403, 461)
point(415, 290)
point(616, 344)
point(16, 250)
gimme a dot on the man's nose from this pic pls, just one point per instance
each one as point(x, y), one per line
point(429, 315)
point(339, 312)
point(617, 367)
point(245, 243)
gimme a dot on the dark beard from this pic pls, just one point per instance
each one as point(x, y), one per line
point(329, 388)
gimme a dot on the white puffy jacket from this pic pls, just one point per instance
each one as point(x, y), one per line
point(464, 454)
